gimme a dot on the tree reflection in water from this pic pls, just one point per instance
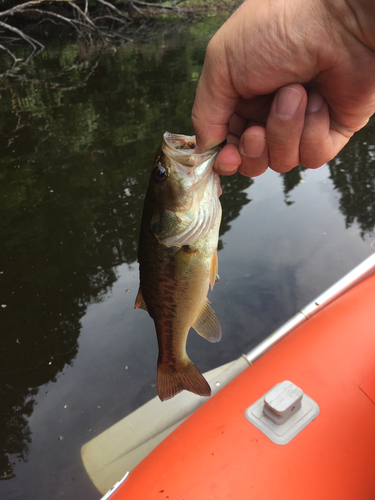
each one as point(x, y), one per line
point(353, 176)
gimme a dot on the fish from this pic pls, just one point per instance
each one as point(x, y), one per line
point(177, 255)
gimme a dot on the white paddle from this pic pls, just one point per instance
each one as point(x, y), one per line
point(121, 447)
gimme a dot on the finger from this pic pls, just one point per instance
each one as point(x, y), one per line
point(246, 150)
point(320, 142)
point(228, 160)
point(256, 109)
point(284, 127)
point(237, 126)
point(254, 152)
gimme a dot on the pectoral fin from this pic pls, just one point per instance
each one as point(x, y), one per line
point(207, 325)
point(214, 269)
point(139, 301)
point(164, 225)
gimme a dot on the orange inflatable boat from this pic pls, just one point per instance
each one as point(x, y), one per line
point(298, 423)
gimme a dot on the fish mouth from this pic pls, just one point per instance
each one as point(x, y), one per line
point(179, 142)
point(180, 148)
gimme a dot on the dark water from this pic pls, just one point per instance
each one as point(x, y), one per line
point(79, 130)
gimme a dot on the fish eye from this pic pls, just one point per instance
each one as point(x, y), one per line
point(160, 173)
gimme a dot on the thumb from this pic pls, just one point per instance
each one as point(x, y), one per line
point(215, 100)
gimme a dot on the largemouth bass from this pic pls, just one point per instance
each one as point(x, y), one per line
point(177, 257)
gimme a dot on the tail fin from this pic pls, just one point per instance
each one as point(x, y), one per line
point(172, 380)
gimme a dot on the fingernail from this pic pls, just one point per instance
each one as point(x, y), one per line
point(253, 146)
point(197, 150)
point(287, 102)
point(315, 102)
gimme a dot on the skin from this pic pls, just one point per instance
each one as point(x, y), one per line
point(286, 83)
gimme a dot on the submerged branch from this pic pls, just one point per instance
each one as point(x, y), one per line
point(9, 52)
point(106, 23)
point(172, 6)
point(112, 7)
point(23, 35)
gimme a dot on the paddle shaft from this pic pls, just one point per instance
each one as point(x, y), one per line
point(332, 293)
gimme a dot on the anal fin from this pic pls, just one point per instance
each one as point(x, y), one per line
point(207, 325)
point(139, 301)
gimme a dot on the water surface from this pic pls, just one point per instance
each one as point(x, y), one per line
point(79, 129)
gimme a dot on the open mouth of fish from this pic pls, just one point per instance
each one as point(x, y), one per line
point(180, 150)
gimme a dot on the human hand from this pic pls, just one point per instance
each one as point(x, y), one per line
point(286, 83)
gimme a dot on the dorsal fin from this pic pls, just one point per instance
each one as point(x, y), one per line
point(139, 301)
point(207, 325)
